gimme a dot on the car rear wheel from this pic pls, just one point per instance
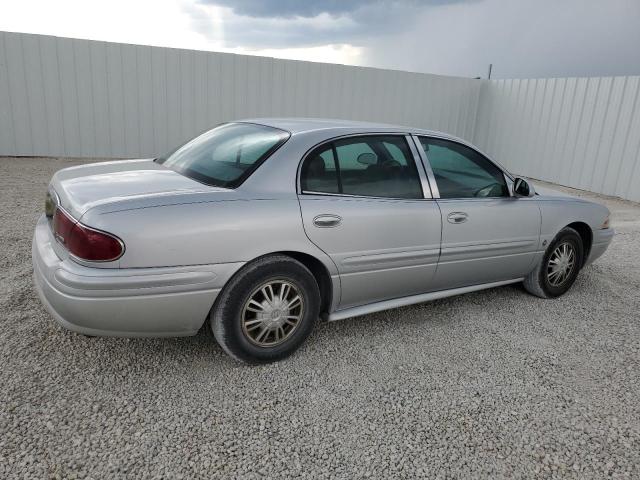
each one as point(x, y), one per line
point(267, 310)
point(559, 267)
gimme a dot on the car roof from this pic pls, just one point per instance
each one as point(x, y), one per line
point(296, 125)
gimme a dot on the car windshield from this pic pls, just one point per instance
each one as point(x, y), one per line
point(226, 155)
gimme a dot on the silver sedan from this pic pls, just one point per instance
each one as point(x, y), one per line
point(261, 227)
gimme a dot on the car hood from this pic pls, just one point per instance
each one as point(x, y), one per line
point(552, 193)
point(87, 186)
point(549, 192)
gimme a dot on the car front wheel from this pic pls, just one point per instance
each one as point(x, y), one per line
point(559, 267)
point(267, 310)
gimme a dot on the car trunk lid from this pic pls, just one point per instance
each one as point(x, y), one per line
point(83, 187)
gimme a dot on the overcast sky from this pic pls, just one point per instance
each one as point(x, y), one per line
point(522, 38)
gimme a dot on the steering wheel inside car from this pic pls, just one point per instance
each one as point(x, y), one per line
point(390, 164)
point(491, 190)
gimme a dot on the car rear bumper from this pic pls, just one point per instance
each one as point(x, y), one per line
point(601, 240)
point(134, 302)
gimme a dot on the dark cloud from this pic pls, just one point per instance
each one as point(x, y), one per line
point(524, 39)
point(313, 8)
point(274, 24)
point(288, 23)
point(527, 38)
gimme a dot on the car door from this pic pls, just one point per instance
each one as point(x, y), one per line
point(365, 201)
point(488, 235)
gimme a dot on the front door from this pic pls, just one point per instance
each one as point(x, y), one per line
point(363, 204)
point(488, 235)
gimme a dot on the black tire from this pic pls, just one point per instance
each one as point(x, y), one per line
point(226, 316)
point(537, 282)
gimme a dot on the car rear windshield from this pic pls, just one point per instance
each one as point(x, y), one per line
point(226, 155)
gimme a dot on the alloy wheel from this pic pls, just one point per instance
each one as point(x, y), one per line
point(561, 264)
point(272, 313)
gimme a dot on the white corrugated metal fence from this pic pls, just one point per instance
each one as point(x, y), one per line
point(80, 98)
point(578, 132)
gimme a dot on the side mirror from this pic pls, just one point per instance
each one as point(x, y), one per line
point(521, 188)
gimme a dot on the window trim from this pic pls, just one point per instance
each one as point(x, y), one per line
point(508, 178)
point(422, 176)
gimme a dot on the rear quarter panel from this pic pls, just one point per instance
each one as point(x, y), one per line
point(207, 232)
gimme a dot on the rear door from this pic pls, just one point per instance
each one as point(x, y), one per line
point(366, 203)
point(488, 235)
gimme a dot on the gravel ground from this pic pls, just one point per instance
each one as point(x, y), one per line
point(493, 384)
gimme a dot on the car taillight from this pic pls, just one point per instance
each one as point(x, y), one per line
point(62, 225)
point(85, 242)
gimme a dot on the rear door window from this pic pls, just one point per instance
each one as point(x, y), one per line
point(372, 165)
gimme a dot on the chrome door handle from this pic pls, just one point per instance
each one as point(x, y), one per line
point(457, 217)
point(324, 221)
